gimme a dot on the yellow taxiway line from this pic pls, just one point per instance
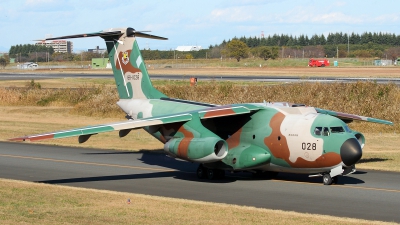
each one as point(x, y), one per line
point(166, 170)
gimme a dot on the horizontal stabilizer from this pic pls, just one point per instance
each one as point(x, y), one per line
point(113, 32)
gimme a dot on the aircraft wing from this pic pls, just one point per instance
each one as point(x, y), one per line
point(350, 117)
point(85, 132)
point(124, 127)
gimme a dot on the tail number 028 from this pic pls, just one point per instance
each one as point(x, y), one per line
point(309, 146)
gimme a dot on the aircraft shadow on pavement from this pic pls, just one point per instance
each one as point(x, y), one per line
point(368, 160)
point(360, 172)
point(304, 178)
point(110, 178)
point(142, 151)
point(187, 171)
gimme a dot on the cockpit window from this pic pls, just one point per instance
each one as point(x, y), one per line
point(317, 131)
point(326, 132)
point(337, 130)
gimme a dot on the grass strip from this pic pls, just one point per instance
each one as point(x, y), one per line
point(35, 203)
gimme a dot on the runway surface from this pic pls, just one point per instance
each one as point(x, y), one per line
point(368, 195)
point(37, 76)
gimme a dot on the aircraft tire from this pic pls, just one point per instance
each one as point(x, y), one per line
point(271, 174)
point(327, 179)
point(220, 174)
point(265, 174)
point(211, 174)
point(201, 172)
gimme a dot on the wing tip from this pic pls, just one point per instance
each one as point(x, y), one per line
point(18, 139)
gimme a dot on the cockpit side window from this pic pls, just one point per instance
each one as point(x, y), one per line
point(326, 131)
point(347, 128)
point(337, 130)
point(317, 131)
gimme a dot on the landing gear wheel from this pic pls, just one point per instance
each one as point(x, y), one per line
point(259, 174)
point(201, 172)
point(271, 174)
point(327, 179)
point(211, 174)
point(220, 173)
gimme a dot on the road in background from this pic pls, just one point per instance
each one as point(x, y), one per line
point(38, 76)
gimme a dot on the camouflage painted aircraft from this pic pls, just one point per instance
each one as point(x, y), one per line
point(262, 138)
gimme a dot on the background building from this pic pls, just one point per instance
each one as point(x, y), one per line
point(58, 45)
point(97, 50)
point(188, 48)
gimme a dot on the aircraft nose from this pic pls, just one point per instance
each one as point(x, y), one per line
point(350, 151)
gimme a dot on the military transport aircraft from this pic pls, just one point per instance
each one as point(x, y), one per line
point(262, 138)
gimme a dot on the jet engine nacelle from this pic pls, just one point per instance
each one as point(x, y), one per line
point(203, 150)
point(360, 138)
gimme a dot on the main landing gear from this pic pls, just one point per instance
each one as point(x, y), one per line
point(211, 174)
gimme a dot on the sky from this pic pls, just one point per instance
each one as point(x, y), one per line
point(187, 22)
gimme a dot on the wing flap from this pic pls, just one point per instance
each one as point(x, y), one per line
point(350, 117)
point(227, 110)
point(123, 125)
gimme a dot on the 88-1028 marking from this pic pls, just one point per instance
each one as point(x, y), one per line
point(309, 146)
point(133, 77)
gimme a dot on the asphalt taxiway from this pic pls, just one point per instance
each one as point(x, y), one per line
point(370, 195)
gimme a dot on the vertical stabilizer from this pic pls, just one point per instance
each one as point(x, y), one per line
point(130, 72)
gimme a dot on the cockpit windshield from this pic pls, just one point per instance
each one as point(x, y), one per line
point(337, 130)
point(327, 131)
point(317, 131)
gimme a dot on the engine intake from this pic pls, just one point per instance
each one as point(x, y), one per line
point(360, 138)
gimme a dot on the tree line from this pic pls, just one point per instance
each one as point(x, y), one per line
point(26, 49)
point(337, 44)
point(332, 39)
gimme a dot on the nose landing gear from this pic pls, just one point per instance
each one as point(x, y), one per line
point(328, 180)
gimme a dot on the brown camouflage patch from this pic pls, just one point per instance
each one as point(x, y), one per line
point(184, 144)
point(276, 142)
point(221, 112)
point(326, 160)
point(234, 140)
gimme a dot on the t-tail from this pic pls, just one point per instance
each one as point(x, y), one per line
point(130, 72)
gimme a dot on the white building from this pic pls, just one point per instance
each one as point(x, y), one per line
point(188, 48)
point(58, 45)
point(97, 50)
